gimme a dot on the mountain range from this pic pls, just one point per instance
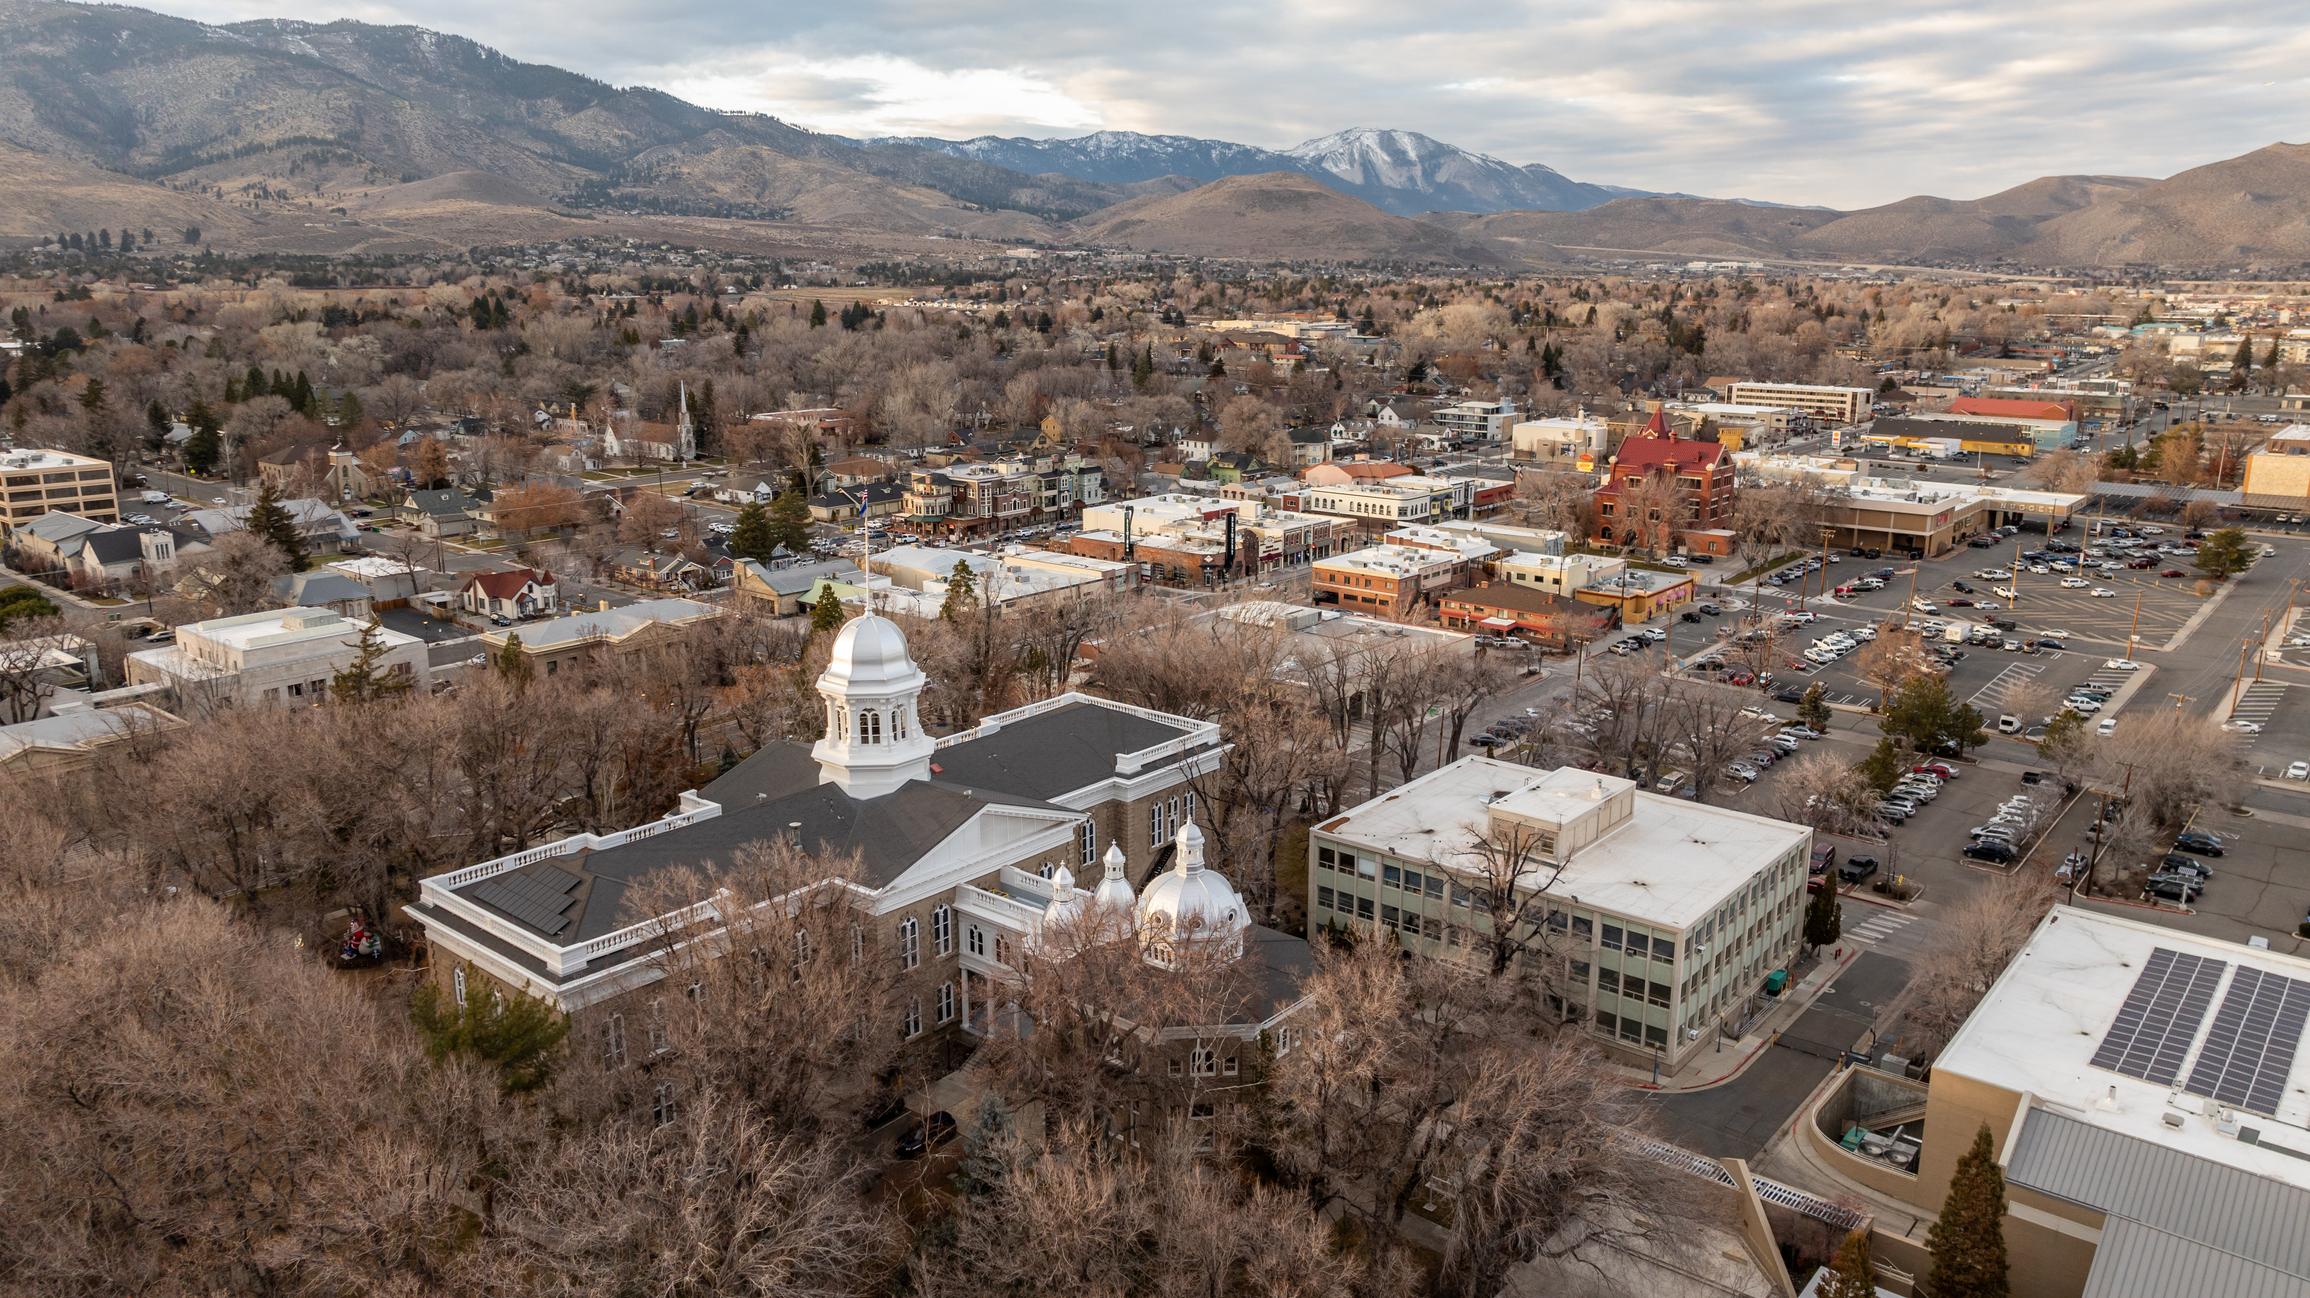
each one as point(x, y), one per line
point(346, 136)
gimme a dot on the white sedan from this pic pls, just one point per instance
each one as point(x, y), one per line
point(2121, 665)
point(2298, 771)
point(2102, 592)
point(2243, 727)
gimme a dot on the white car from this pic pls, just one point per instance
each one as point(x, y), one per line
point(2082, 706)
point(1994, 574)
point(2073, 583)
point(2102, 592)
point(2003, 592)
point(2107, 727)
point(154, 498)
point(1923, 605)
point(2298, 771)
point(2243, 727)
point(2121, 665)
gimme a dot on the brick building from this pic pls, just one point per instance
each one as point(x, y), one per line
point(1703, 474)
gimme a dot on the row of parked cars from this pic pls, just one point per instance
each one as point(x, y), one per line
point(1999, 839)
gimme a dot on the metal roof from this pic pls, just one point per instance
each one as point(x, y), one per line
point(2138, 1261)
point(2204, 1204)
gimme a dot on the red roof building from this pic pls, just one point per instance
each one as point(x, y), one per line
point(1703, 474)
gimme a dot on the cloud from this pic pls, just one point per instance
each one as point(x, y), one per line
point(1792, 100)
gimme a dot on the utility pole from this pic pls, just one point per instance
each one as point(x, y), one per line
point(2136, 628)
point(2258, 647)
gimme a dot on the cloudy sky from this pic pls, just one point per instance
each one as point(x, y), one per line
point(1790, 100)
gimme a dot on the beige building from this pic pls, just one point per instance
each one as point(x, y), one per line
point(1830, 404)
point(2279, 473)
point(1672, 918)
point(556, 644)
point(284, 657)
point(34, 482)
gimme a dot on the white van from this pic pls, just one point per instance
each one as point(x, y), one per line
point(2008, 724)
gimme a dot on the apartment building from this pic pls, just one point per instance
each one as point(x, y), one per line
point(34, 482)
point(1475, 421)
point(282, 657)
point(1826, 404)
point(1666, 919)
point(1386, 580)
point(1579, 443)
point(1705, 481)
point(1184, 539)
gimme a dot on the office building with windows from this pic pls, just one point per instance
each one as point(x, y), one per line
point(1664, 920)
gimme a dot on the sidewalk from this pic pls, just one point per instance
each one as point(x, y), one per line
point(1710, 1068)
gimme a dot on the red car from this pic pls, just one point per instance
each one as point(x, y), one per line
point(1959, 602)
point(2173, 572)
point(1739, 678)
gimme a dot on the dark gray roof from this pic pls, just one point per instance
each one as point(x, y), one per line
point(773, 772)
point(1279, 964)
point(441, 503)
point(889, 834)
point(115, 545)
point(1968, 429)
point(2217, 1206)
point(1051, 753)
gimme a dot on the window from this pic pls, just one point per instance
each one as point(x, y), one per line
point(1087, 839)
point(942, 930)
point(801, 948)
point(1227, 1066)
point(909, 943)
point(870, 727)
point(1202, 1061)
point(296, 691)
point(1613, 937)
point(946, 1002)
point(857, 944)
point(614, 1041)
point(1002, 949)
point(659, 1041)
point(1190, 805)
point(912, 1027)
point(898, 722)
point(1324, 899)
point(696, 990)
point(976, 938)
point(662, 1104)
point(1285, 1038)
point(1391, 877)
point(457, 984)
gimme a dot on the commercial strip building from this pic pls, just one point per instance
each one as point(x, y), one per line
point(35, 481)
point(1191, 540)
point(1665, 918)
point(1970, 435)
point(2278, 473)
point(2144, 1092)
point(1829, 404)
point(1909, 516)
point(283, 657)
point(1501, 608)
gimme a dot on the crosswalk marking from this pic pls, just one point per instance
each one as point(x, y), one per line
point(1876, 928)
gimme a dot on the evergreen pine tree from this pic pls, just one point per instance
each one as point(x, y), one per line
point(203, 449)
point(365, 679)
point(267, 519)
point(514, 665)
point(1968, 1240)
point(1143, 367)
point(817, 314)
point(520, 1037)
point(750, 538)
point(962, 594)
point(1824, 916)
point(93, 397)
point(981, 1171)
point(1850, 1275)
point(790, 521)
point(827, 614)
point(1813, 709)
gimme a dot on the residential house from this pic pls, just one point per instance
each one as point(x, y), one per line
point(325, 588)
point(656, 571)
point(841, 505)
point(333, 471)
point(514, 593)
point(69, 739)
point(439, 513)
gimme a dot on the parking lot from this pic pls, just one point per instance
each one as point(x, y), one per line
point(2258, 889)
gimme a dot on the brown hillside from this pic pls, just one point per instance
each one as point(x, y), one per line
point(1278, 215)
point(1699, 227)
point(49, 195)
point(1944, 229)
point(2254, 208)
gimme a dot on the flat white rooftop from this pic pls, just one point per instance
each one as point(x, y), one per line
point(1671, 863)
point(2038, 1028)
point(35, 457)
point(284, 626)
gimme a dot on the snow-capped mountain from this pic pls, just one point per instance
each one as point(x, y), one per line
point(1398, 171)
point(1424, 174)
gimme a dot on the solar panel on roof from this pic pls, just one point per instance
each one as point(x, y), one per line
point(2160, 1016)
point(535, 898)
point(2250, 1049)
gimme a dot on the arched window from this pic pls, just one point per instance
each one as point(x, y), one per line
point(838, 721)
point(898, 722)
point(870, 727)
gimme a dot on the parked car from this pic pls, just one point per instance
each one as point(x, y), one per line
point(2173, 887)
point(1990, 850)
point(2199, 841)
point(935, 1130)
point(1857, 868)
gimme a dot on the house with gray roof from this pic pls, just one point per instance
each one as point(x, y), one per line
point(962, 853)
point(437, 513)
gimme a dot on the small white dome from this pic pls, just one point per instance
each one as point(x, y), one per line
point(1068, 909)
point(1189, 903)
point(1114, 894)
point(870, 654)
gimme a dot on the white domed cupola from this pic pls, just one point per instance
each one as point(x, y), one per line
point(1190, 905)
point(1114, 895)
point(874, 741)
point(1069, 909)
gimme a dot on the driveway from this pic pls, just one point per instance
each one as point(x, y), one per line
point(1741, 1117)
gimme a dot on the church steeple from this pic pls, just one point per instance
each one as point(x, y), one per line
point(685, 432)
